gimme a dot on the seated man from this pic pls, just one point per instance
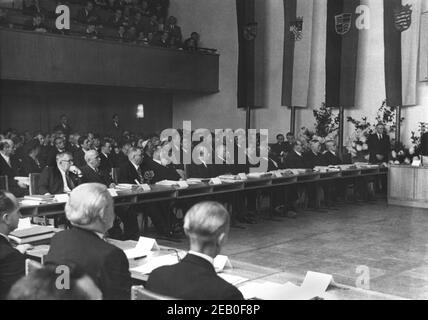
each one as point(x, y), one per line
point(105, 155)
point(41, 285)
point(84, 146)
point(91, 213)
point(206, 224)
point(12, 262)
point(134, 172)
point(92, 173)
point(58, 148)
point(9, 166)
point(58, 179)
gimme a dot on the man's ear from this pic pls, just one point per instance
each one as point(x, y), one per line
point(5, 218)
point(221, 239)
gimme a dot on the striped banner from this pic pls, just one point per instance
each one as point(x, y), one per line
point(402, 20)
point(297, 52)
point(341, 53)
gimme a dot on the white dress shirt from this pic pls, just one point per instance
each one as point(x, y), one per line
point(5, 236)
point(64, 180)
point(6, 158)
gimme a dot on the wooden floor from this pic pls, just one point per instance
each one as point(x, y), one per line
point(391, 241)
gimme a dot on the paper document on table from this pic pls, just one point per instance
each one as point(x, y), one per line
point(61, 197)
point(142, 249)
point(232, 279)
point(24, 223)
point(155, 263)
point(274, 291)
point(221, 263)
point(316, 283)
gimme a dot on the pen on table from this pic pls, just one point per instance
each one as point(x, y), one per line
point(136, 181)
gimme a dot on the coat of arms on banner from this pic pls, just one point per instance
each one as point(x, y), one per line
point(250, 31)
point(296, 29)
point(343, 23)
point(403, 17)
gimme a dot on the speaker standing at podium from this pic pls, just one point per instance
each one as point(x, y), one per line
point(424, 144)
point(379, 145)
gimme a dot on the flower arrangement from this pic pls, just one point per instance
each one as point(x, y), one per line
point(327, 124)
point(357, 142)
point(416, 138)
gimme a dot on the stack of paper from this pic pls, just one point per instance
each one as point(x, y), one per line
point(142, 249)
point(167, 183)
point(125, 186)
point(314, 285)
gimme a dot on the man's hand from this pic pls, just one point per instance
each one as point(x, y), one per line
point(112, 185)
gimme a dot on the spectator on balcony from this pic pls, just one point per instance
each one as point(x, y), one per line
point(161, 40)
point(131, 35)
point(91, 31)
point(192, 43)
point(153, 25)
point(172, 28)
point(121, 31)
point(88, 14)
point(161, 24)
point(145, 11)
point(36, 24)
point(139, 22)
point(126, 16)
point(31, 7)
point(116, 19)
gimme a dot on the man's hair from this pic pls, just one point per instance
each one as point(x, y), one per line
point(6, 203)
point(87, 203)
point(279, 135)
point(205, 221)
point(90, 155)
point(290, 134)
point(61, 155)
point(132, 151)
point(41, 285)
point(81, 140)
point(5, 143)
point(105, 141)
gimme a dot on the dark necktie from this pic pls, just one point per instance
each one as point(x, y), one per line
point(140, 175)
point(70, 182)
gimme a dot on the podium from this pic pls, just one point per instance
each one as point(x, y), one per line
point(407, 186)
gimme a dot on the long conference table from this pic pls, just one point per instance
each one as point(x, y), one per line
point(239, 274)
point(268, 181)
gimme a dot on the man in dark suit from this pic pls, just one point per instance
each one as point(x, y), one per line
point(206, 224)
point(12, 262)
point(294, 159)
point(58, 179)
point(10, 167)
point(424, 143)
point(91, 213)
point(280, 148)
point(84, 146)
point(92, 173)
point(63, 126)
point(379, 145)
point(313, 157)
point(88, 14)
point(330, 157)
point(116, 129)
point(59, 147)
point(31, 162)
point(106, 156)
point(132, 172)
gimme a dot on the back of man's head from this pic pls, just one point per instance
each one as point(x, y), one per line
point(45, 284)
point(90, 207)
point(207, 224)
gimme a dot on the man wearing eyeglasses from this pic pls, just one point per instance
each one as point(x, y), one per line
point(58, 179)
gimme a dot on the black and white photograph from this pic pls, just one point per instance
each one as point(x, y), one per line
point(213, 154)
